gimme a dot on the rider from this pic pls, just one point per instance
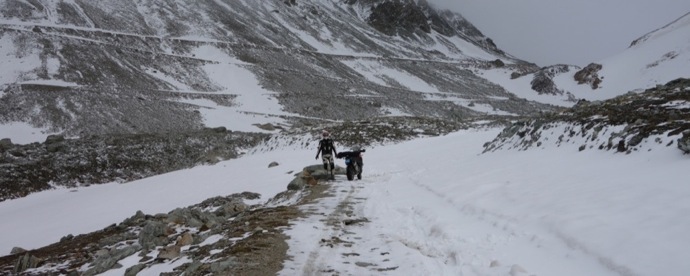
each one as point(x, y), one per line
point(327, 151)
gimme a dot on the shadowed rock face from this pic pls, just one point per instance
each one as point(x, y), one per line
point(543, 79)
point(398, 18)
point(408, 18)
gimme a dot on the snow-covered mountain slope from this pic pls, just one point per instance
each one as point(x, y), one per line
point(654, 59)
point(634, 122)
point(156, 66)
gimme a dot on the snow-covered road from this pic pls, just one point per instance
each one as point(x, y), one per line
point(442, 209)
point(432, 206)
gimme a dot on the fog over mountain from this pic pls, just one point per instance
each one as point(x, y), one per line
point(573, 32)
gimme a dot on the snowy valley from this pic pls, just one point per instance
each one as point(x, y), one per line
point(177, 138)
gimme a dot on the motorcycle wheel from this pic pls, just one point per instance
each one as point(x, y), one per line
point(350, 172)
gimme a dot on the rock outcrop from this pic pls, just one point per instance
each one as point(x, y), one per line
point(543, 79)
point(220, 236)
point(659, 115)
point(589, 75)
point(25, 169)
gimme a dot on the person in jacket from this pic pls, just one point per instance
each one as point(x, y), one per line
point(327, 151)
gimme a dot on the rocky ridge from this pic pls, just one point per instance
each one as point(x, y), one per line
point(219, 235)
point(60, 162)
point(624, 124)
point(374, 131)
point(96, 159)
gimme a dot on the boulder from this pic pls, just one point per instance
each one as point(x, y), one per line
point(17, 250)
point(589, 75)
point(318, 172)
point(52, 139)
point(169, 253)
point(154, 234)
point(26, 262)
point(498, 63)
point(134, 270)
point(55, 143)
point(232, 208)
point(543, 84)
point(193, 217)
point(5, 144)
point(185, 239)
point(310, 176)
point(108, 259)
point(302, 180)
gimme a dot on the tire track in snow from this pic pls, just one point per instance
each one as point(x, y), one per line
point(315, 263)
point(501, 233)
point(337, 247)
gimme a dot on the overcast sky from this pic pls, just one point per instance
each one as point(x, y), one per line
point(577, 32)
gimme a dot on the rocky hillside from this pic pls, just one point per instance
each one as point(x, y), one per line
point(627, 123)
point(222, 236)
point(94, 68)
point(126, 85)
point(90, 160)
point(60, 162)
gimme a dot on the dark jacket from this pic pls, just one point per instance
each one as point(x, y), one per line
point(326, 146)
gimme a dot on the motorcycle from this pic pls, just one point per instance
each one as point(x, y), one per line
point(353, 163)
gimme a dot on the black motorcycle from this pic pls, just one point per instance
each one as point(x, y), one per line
point(353, 163)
